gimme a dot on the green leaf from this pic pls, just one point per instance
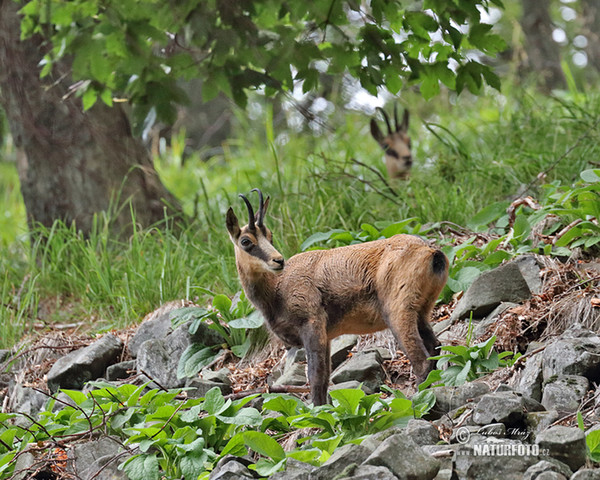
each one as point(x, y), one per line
point(591, 175)
point(214, 402)
point(141, 467)
point(263, 444)
point(592, 439)
point(222, 303)
point(318, 237)
point(195, 357)
point(254, 320)
point(89, 98)
point(348, 399)
point(192, 463)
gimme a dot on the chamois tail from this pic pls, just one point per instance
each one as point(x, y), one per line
point(439, 262)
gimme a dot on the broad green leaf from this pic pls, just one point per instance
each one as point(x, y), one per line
point(263, 444)
point(318, 237)
point(222, 303)
point(141, 467)
point(591, 175)
point(348, 399)
point(214, 402)
point(254, 320)
point(192, 463)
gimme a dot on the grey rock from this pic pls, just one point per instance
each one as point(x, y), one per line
point(564, 393)
point(121, 370)
point(198, 387)
point(294, 375)
point(89, 458)
point(294, 470)
point(504, 407)
point(294, 355)
point(491, 459)
point(351, 384)
point(363, 367)
point(344, 459)
point(370, 472)
point(158, 361)
point(566, 444)
point(422, 432)
point(531, 378)
point(219, 376)
point(547, 466)
point(536, 422)
point(85, 364)
point(413, 463)
point(340, 348)
point(512, 282)
point(231, 468)
point(26, 400)
point(24, 462)
point(586, 474)
point(576, 352)
point(155, 328)
point(450, 398)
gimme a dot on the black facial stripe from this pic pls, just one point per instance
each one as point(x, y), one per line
point(392, 153)
point(259, 253)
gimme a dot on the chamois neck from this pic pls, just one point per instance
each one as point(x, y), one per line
point(260, 287)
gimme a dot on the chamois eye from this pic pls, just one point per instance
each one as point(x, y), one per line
point(246, 242)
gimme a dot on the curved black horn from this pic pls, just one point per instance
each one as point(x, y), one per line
point(386, 118)
point(251, 225)
point(396, 117)
point(261, 208)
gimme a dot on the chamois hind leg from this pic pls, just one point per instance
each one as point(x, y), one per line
point(318, 357)
point(404, 323)
point(427, 334)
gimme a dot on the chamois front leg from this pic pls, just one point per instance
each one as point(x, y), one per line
point(318, 357)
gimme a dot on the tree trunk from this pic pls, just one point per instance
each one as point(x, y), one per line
point(591, 19)
point(74, 164)
point(543, 56)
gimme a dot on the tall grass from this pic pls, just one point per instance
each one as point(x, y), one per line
point(468, 154)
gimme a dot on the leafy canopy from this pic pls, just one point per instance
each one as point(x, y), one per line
point(137, 49)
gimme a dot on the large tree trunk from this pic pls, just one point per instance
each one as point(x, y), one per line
point(543, 56)
point(75, 163)
point(591, 20)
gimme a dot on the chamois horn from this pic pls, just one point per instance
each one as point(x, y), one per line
point(396, 117)
point(251, 225)
point(387, 119)
point(261, 208)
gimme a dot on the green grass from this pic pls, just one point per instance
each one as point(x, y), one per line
point(472, 153)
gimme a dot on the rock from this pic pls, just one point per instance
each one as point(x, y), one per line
point(24, 463)
point(504, 407)
point(352, 384)
point(219, 376)
point(198, 387)
point(294, 375)
point(156, 326)
point(121, 370)
point(294, 470)
point(413, 463)
point(97, 459)
point(344, 459)
point(340, 348)
point(370, 472)
point(576, 352)
point(85, 364)
point(566, 444)
point(363, 367)
point(492, 459)
point(512, 282)
point(531, 378)
point(547, 466)
point(450, 398)
point(422, 432)
point(564, 393)
point(586, 474)
point(232, 468)
point(26, 400)
point(537, 422)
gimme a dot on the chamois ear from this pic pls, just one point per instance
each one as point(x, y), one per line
point(233, 226)
point(376, 132)
point(405, 119)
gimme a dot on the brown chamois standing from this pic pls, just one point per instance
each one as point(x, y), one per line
point(396, 144)
point(318, 295)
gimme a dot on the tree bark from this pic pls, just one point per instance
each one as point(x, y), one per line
point(543, 56)
point(74, 164)
point(591, 20)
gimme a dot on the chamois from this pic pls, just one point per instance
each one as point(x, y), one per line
point(318, 295)
point(396, 144)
